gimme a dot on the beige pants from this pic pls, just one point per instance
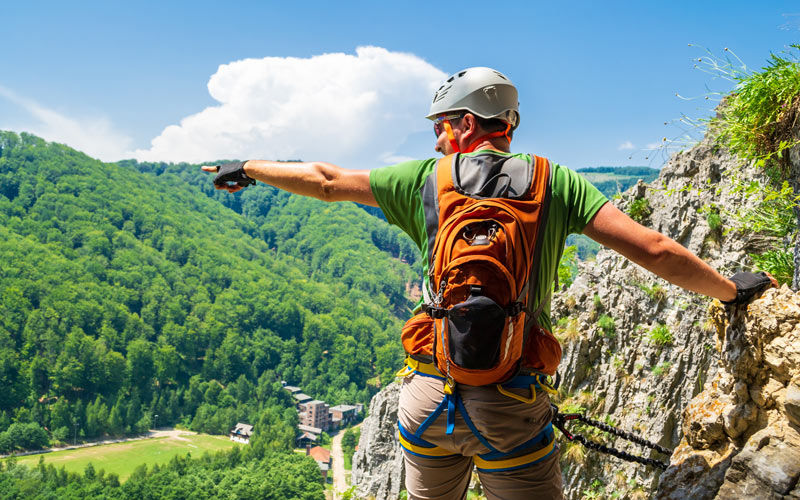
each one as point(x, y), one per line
point(504, 422)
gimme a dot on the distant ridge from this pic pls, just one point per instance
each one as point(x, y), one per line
point(613, 180)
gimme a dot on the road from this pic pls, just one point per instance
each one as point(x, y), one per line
point(339, 483)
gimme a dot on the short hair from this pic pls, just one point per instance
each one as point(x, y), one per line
point(493, 125)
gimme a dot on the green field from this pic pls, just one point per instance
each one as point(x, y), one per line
point(123, 458)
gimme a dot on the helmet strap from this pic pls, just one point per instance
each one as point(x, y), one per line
point(491, 135)
point(450, 136)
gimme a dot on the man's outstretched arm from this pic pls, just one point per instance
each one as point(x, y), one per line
point(320, 180)
point(657, 253)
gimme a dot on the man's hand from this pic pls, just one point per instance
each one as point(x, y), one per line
point(749, 285)
point(230, 176)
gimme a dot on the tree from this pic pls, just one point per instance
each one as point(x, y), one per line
point(60, 414)
point(39, 369)
point(167, 364)
point(12, 383)
point(140, 365)
point(28, 436)
point(88, 471)
point(116, 419)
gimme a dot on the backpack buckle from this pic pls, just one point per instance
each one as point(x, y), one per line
point(434, 311)
point(514, 309)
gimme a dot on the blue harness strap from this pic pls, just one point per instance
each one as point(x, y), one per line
point(431, 418)
point(417, 446)
point(542, 439)
point(451, 400)
point(519, 462)
point(474, 429)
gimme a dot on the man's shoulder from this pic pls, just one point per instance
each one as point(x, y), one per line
point(409, 171)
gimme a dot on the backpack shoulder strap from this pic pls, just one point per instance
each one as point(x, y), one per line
point(430, 193)
point(541, 188)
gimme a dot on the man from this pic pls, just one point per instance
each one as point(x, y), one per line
point(502, 429)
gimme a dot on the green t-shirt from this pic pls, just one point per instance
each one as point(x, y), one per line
point(397, 189)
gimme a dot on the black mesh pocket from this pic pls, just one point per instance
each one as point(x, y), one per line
point(475, 330)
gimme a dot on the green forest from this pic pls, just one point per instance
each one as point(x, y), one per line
point(613, 180)
point(234, 474)
point(133, 290)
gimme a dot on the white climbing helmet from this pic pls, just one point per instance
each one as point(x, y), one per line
point(483, 92)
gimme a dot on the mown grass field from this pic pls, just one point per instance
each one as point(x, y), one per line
point(123, 458)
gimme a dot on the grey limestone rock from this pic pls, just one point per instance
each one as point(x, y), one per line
point(663, 349)
point(759, 452)
point(378, 468)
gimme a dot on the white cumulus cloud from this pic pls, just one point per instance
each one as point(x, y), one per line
point(94, 136)
point(625, 146)
point(354, 110)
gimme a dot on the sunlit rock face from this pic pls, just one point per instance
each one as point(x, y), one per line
point(741, 435)
point(378, 468)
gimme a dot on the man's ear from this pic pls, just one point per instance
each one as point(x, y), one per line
point(469, 126)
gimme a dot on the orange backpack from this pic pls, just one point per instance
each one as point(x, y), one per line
point(485, 217)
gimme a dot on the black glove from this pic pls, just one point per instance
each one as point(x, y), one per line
point(228, 173)
point(748, 285)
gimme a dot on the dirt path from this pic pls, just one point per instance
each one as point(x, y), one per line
point(339, 483)
point(339, 475)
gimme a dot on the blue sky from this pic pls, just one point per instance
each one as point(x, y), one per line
point(350, 82)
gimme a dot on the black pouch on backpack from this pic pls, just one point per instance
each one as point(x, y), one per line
point(475, 330)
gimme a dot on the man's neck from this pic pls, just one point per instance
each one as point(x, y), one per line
point(499, 144)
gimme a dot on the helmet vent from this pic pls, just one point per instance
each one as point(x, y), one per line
point(501, 75)
point(462, 74)
point(441, 93)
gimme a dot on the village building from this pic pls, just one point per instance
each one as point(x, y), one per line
point(344, 414)
point(310, 428)
point(316, 414)
point(301, 398)
point(241, 433)
point(323, 459)
point(306, 439)
point(309, 435)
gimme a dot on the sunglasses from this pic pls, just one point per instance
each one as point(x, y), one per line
point(438, 125)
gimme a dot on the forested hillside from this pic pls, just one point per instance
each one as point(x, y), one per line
point(613, 180)
point(134, 290)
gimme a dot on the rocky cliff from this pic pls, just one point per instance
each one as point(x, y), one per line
point(637, 350)
point(378, 468)
point(741, 435)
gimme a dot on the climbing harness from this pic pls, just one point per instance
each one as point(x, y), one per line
point(560, 420)
point(536, 449)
